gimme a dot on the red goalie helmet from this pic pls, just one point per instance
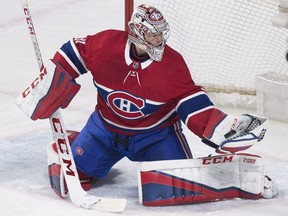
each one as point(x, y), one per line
point(148, 21)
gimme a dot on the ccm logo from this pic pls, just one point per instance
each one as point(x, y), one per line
point(62, 144)
point(249, 160)
point(29, 21)
point(34, 83)
point(217, 160)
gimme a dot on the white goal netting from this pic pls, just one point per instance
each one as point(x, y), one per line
point(226, 43)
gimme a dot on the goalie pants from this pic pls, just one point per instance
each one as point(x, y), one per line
point(96, 149)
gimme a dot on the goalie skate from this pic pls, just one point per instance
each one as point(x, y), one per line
point(270, 188)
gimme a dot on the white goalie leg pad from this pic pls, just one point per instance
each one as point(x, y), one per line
point(200, 180)
point(56, 176)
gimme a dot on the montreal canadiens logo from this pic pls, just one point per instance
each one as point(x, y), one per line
point(79, 151)
point(155, 17)
point(126, 105)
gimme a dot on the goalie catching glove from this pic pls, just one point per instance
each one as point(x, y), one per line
point(230, 134)
point(47, 93)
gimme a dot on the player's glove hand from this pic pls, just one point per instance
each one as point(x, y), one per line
point(233, 134)
point(48, 92)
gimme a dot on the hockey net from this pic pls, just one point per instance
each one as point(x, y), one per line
point(225, 43)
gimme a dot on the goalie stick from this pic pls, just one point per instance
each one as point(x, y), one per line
point(77, 195)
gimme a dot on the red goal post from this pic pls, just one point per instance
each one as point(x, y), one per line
point(225, 43)
point(129, 6)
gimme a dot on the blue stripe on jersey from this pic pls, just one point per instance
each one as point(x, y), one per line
point(193, 104)
point(70, 53)
point(133, 130)
point(147, 109)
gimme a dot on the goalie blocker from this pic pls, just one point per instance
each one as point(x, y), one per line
point(48, 92)
point(204, 179)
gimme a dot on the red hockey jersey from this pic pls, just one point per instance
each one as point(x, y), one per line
point(136, 95)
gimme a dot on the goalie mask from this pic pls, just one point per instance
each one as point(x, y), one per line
point(147, 22)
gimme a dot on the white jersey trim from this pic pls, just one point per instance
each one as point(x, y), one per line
point(129, 60)
point(189, 97)
point(78, 54)
point(197, 112)
point(110, 90)
point(69, 61)
point(138, 128)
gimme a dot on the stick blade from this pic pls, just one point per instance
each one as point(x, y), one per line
point(91, 202)
point(110, 205)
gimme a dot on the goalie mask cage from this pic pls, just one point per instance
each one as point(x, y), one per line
point(225, 43)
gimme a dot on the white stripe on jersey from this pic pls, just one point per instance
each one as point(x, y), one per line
point(63, 54)
point(78, 54)
point(129, 61)
point(110, 90)
point(139, 128)
point(197, 112)
point(189, 97)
